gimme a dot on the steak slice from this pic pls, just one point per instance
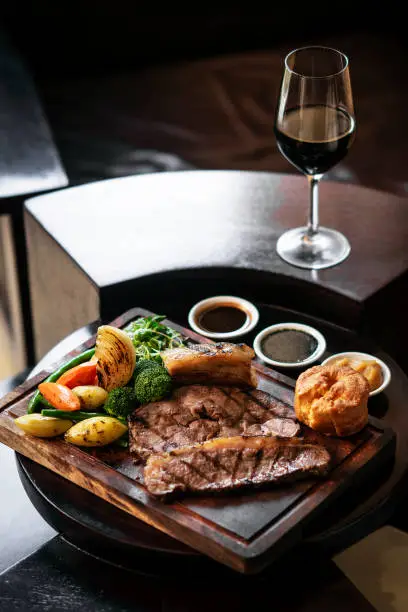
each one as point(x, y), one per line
point(226, 464)
point(197, 413)
point(270, 403)
point(221, 363)
point(281, 428)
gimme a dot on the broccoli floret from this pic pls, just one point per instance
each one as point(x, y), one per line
point(152, 385)
point(120, 402)
point(141, 365)
point(144, 364)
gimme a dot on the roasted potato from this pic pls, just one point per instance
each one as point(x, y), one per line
point(96, 431)
point(90, 396)
point(42, 426)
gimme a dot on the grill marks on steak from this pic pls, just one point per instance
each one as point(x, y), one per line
point(224, 464)
point(210, 439)
point(268, 402)
point(198, 413)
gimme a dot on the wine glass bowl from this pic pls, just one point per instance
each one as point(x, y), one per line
point(314, 128)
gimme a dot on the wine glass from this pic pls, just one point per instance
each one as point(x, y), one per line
point(314, 128)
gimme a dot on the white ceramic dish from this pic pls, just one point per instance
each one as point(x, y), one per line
point(386, 373)
point(321, 344)
point(226, 300)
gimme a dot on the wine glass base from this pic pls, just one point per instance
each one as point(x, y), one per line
point(327, 248)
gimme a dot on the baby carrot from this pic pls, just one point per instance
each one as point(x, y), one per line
point(82, 374)
point(59, 396)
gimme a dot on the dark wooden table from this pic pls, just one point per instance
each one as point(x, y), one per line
point(164, 241)
point(61, 576)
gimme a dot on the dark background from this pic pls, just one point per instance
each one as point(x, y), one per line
point(79, 38)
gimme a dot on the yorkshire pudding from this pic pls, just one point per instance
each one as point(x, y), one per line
point(332, 400)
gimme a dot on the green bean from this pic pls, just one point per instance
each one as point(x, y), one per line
point(35, 401)
point(77, 415)
point(46, 403)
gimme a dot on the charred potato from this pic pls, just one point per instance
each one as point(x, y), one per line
point(90, 396)
point(96, 431)
point(41, 426)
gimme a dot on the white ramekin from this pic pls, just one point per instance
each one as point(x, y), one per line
point(227, 300)
point(321, 344)
point(386, 373)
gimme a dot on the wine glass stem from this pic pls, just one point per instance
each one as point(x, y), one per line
point(313, 221)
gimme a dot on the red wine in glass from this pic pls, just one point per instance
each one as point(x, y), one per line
point(314, 129)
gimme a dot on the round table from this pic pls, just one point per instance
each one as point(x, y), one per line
point(105, 531)
point(121, 242)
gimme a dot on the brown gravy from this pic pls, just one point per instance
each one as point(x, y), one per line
point(289, 346)
point(222, 319)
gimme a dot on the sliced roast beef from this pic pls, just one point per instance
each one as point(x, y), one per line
point(225, 464)
point(197, 413)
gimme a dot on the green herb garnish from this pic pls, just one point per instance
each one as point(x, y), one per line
point(150, 337)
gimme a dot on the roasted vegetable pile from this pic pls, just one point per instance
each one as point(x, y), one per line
point(89, 398)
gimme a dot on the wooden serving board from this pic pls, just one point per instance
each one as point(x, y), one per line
point(245, 531)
